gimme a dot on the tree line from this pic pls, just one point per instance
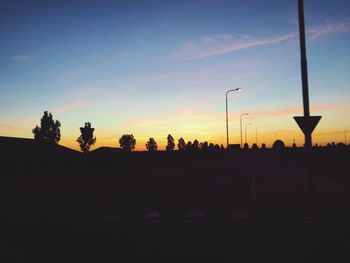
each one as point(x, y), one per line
point(49, 132)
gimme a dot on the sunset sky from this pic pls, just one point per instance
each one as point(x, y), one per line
point(151, 68)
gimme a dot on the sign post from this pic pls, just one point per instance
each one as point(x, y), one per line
point(306, 123)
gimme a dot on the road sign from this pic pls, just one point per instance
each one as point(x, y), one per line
point(307, 123)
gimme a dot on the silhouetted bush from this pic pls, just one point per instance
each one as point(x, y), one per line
point(127, 142)
point(341, 145)
point(49, 130)
point(263, 146)
point(278, 145)
point(181, 144)
point(255, 147)
point(151, 145)
point(246, 146)
point(171, 143)
point(86, 139)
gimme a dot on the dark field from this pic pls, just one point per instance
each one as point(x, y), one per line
point(247, 205)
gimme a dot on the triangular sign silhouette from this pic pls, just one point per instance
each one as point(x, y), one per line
point(307, 124)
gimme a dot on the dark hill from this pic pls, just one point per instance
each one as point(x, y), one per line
point(22, 156)
point(13, 145)
point(105, 150)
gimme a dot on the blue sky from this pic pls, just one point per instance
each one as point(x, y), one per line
point(156, 67)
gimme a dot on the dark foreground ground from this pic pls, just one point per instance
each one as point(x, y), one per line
point(109, 207)
point(113, 241)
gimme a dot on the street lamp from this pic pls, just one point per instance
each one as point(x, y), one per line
point(246, 131)
point(345, 135)
point(256, 135)
point(238, 89)
point(240, 119)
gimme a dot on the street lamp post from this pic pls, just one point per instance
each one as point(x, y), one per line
point(240, 120)
point(227, 142)
point(256, 135)
point(345, 135)
point(246, 131)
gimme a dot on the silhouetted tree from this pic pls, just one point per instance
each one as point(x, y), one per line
point(217, 147)
point(255, 147)
point(49, 130)
point(151, 145)
point(263, 146)
point(204, 146)
point(127, 142)
point(189, 146)
point(246, 146)
point(211, 146)
point(171, 143)
point(86, 139)
point(222, 147)
point(195, 145)
point(181, 144)
point(339, 145)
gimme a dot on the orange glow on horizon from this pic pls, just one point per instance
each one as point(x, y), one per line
point(192, 123)
point(287, 136)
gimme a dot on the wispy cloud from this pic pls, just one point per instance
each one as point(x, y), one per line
point(222, 44)
point(326, 133)
point(299, 110)
point(20, 58)
point(9, 127)
point(328, 28)
point(70, 106)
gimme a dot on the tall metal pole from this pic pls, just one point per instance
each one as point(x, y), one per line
point(256, 135)
point(303, 61)
point(345, 136)
point(226, 122)
point(240, 119)
point(306, 123)
point(246, 131)
point(227, 141)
